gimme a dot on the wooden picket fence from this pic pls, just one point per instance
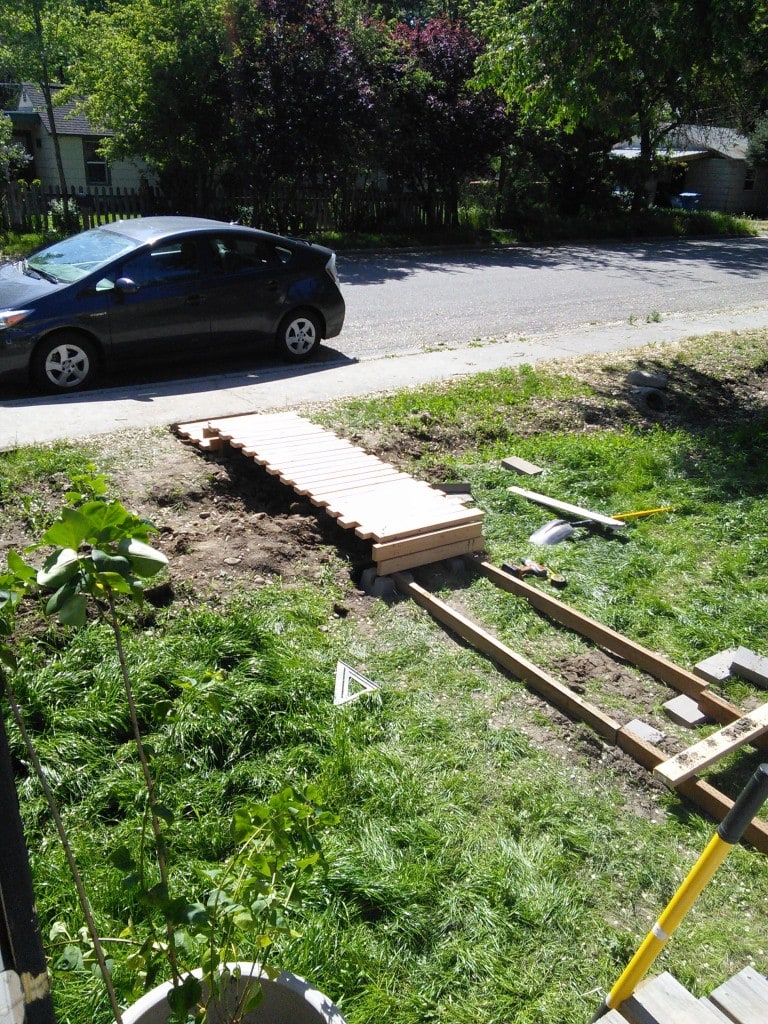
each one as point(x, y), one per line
point(286, 209)
point(307, 210)
point(27, 208)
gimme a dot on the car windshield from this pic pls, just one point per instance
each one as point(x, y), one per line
point(75, 257)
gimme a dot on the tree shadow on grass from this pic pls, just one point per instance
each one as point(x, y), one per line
point(724, 410)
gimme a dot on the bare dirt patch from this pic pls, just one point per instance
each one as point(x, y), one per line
point(224, 523)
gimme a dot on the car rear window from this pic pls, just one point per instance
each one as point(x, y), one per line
point(240, 252)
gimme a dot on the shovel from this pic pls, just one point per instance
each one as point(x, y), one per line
point(558, 530)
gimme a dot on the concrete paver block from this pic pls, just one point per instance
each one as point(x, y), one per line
point(716, 668)
point(685, 711)
point(751, 666)
point(644, 731)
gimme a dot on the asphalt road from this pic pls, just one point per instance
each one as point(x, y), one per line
point(399, 302)
point(418, 317)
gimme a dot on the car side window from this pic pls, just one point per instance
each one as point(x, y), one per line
point(168, 262)
point(238, 253)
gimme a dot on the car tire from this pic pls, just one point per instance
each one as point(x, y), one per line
point(64, 363)
point(298, 336)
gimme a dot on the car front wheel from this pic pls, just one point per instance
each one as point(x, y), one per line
point(298, 336)
point(66, 362)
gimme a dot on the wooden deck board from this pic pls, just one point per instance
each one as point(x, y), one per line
point(663, 1000)
point(743, 998)
point(322, 487)
point(718, 1013)
point(564, 506)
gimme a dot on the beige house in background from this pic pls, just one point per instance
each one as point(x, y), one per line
point(711, 164)
point(85, 170)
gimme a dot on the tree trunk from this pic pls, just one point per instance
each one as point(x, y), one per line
point(644, 186)
point(45, 85)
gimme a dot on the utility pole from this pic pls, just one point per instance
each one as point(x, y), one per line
point(25, 994)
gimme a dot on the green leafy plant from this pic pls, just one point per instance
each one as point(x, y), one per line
point(100, 561)
point(63, 214)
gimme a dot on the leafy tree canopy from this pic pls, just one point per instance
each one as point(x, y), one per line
point(154, 73)
point(622, 66)
point(37, 38)
point(12, 155)
point(440, 129)
point(304, 107)
point(625, 68)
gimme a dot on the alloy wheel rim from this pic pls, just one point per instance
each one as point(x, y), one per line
point(301, 336)
point(67, 366)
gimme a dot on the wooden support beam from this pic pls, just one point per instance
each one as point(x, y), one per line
point(539, 680)
point(564, 506)
point(428, 554)
point(701, 793)
point(655, 664)
point(436, 538)
point(704, 753)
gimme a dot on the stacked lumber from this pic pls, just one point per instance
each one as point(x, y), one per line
point(408, 522)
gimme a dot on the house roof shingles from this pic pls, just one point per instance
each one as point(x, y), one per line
point(66, 120)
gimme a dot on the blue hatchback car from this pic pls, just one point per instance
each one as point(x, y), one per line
point(160, 289)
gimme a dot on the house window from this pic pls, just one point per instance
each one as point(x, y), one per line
point(96, 166)
point(749, 179)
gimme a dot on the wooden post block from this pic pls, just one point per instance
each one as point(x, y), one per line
point(519, 465)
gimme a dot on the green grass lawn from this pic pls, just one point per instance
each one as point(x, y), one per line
point(492, 864)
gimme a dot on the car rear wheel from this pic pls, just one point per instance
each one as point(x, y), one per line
point(65, 362)
point(298, 336)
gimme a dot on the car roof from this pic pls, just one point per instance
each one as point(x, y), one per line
point(153, 229)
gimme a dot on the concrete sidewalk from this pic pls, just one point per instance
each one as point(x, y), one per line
point(27, 421)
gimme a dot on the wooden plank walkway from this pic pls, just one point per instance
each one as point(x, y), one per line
point(408, 522)
point(743, 999)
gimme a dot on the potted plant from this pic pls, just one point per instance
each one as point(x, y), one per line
point(100, 562)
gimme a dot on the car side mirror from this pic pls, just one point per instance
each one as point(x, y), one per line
point(126, 286)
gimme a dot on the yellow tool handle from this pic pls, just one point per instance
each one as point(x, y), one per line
point(717, 850)
point(645, 512)
point(729, 832)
